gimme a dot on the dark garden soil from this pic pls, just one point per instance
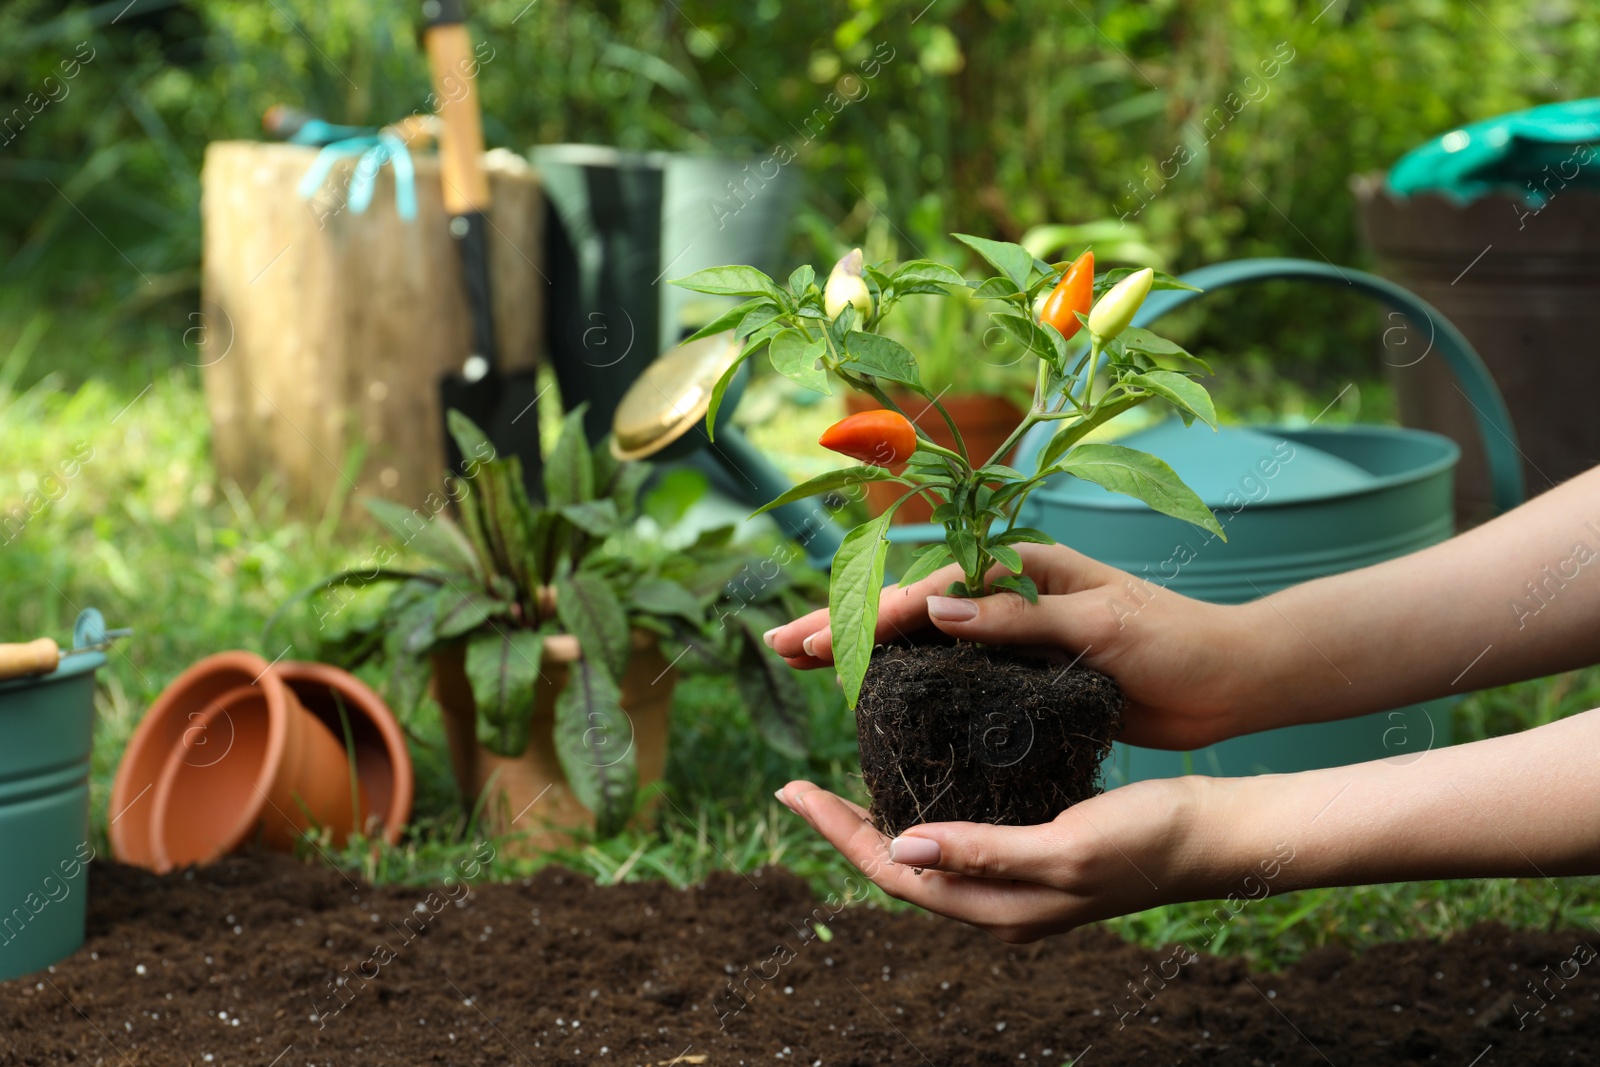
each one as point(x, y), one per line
point(965, 733)
point(235, 965)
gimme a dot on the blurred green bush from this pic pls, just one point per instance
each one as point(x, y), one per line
point(1224, 128)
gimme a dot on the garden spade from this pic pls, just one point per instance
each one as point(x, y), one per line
point(502, 405)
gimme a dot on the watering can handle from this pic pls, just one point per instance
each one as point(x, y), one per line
point(1494, 420)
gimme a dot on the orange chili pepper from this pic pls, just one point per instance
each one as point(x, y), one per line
point(1073, 294)
point(880, 438)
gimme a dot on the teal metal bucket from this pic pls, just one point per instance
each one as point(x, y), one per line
point(1297, 504)
point(46, 731)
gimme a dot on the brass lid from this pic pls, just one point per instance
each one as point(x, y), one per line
point(670, 396)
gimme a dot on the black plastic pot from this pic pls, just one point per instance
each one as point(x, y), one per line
point(619, 226)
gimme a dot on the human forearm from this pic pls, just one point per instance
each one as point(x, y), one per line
point(1518, 806)
point(1516, 598)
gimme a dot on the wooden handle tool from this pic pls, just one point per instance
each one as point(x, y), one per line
point(30, 657)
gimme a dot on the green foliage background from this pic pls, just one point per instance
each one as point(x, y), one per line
point(984, 116)
point(990, 117)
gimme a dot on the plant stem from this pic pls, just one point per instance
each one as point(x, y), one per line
point(1088, 381)
point(955, 432)
point(1031, 419)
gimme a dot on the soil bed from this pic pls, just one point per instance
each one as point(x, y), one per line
point(229, 965)
point(963, 733)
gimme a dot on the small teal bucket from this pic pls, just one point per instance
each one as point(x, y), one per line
point(46, 733)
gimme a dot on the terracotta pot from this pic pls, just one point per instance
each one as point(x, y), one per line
point(985, 422)
point(228, 751)
point(528, 795)
point(383, 763)
point(282, 771)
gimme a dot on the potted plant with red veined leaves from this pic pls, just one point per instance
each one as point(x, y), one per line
point(967, 732)
point(552, 632)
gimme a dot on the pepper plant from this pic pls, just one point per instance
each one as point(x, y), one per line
point(815, 334)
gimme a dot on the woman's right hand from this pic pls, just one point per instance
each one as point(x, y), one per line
point(1180, 662)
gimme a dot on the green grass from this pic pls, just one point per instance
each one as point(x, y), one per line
point(142, 530)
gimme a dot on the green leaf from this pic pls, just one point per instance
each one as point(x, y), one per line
point(694, 651)
point(839, 328)
point(1021, 534)
point(1139, 339)
point(722, 387)
point(797, 360)
point(727, 320)
point(771, 691)
point(929, 463)
point(678, 490)
point(927, 271)
point(946, 512)
point(406, 685)
point(410, 615)
point(801, 280)
point(1182, 391)
point(928, 559)
point(882, 357)
point(473, 444)
point(435, 536)
point(996, 289)
point(463, 610)
point(1141, 476)
point(732, 281)
point(824, 483)
point(853, 596)
point(877, 280)
point(1032, 336)
point(591, 612)
point(505, 517)
point(625, 486)
point(1014, 261)
point(569, 469)
point(503, 669)
point(1018, 583)
point(472, 526)
point(1161, 280)
point(964, 547)
point(927, 288)
point(1000, 472)
point(595, 744)
point(758, 318)
point(1006, 556)
point(659, 596)
point(597, 518)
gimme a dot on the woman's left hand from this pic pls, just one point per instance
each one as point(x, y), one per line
point(1116, 853)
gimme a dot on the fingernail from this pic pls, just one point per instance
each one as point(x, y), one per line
point(914, 851)
point(768, 639)
point(951, 609)
point(806, 645)
point(778, 793)
point(797, 804)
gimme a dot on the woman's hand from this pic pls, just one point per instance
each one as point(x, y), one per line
point(1180, 662)
point(1446, 813)
point(1119, 852)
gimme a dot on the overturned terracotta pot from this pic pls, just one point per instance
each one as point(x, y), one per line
point(248, 764)
point(340, 700)
point(528, 796)
point(229, 754)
